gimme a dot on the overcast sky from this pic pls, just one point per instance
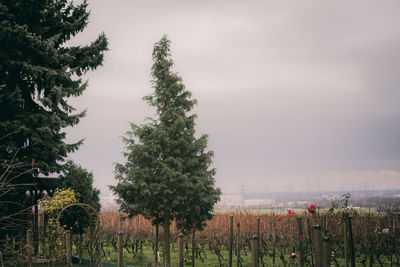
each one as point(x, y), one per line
point(293, 94)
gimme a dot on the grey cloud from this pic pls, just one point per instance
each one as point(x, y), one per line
point(285, 90)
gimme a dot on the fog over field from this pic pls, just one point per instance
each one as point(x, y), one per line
point(293, 95)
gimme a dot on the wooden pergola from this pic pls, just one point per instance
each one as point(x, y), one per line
point(36, 188)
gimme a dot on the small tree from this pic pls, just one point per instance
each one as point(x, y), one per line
point(81, 181)
point(52, 206)
point(14, 205)
point(167, 175)
point(15, 208)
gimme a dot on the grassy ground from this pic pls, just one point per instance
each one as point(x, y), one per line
point(211, 261)
point(146, 259)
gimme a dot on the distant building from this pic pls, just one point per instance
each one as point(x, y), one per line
point(258, 202)
point(230, 201)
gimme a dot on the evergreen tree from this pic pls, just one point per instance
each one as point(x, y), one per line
point(81, 181)
point(38, 73)
point(167, 175)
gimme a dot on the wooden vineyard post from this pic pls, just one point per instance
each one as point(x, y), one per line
point(394, 238)
point(254, 251)
point(156, 246)
point(68, 247)
point(292, 245)
point(350, 241)
point(99, 245)
point(258, 232)
point(230, 240)
point(259, 237)
point(180, 250)
point(44, 250)
point(120, 256)
point(346, 242)
point(317, 240)
point(238, 244)
point(29, 247)
point(193, 245)
point(326, 252)
point(120, 251)
point(36, 229)
point(273, 242)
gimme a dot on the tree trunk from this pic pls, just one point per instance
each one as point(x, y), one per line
point(80, 248)
point(167, 256)
point(156, 246)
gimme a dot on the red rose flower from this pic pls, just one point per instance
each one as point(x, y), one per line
point(312, 208)
point(290, 213)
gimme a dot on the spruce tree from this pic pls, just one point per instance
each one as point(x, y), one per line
point(167, 174)
point(39, 72)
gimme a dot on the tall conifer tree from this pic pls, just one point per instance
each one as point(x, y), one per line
point(38, 73)
point(167, 175)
